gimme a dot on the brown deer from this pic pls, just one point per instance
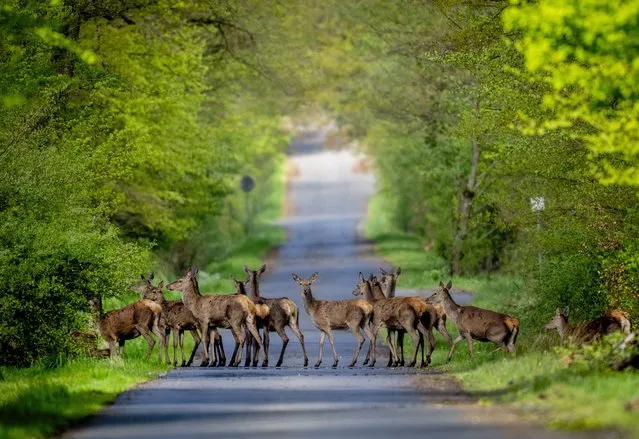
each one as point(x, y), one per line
point(283, 313)
point(388, 281)
point(218, 311)
point(587, 332)
point(410, 314)
point(176, 319)
point(327, 315)
point(477, 323)
point(136, 319)
point(262, 313)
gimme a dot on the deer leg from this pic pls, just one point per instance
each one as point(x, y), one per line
point(412, 332)
point(205, 344)
point(441, 327)
point(370, 347)
point(452, 347)
point(266, 342)
point(111, 349)
point(425, 335)
point(390, 334)
point(360, 343)
point(392, 352)
point(321, 348)
point(250, 322)
point(300, 337)
point(329, 334)
point(219, 346)
point(181, 341)
point(196, 341)
point(176, 340)
point(147, 336)
point(236, 357)
point(212, 349)
point(400, 346)
point(470, 345)
point(372, 339)
point(249, 345)
point(282, 333)
point(121, 348)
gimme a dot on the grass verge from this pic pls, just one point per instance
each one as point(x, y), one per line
point(41, 400)
point(539, 381)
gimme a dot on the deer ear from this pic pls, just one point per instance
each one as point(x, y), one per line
point(161, 284)
point(449, 285)
point(296, 278)
point(313, 277)
point(152, 275)
point(399, 271)
point(246, 270)
point(384, 272)
point(441, 284)
point(143, 277)
point(557, 311)
point(262, 268)
point(566, 310)
point(361, 277)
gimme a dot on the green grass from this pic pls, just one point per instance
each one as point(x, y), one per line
point(41, 400)
point(537, 380)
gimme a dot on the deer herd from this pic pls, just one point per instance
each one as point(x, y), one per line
point(374, 306)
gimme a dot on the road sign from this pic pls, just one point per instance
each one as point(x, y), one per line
point(248, 184)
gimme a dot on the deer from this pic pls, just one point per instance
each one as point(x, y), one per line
point(327, 315)
point(283, 313)
point(587, 332)
point(388, 281)
point(475, 323)
point(176, 319)
point(262, 316)
point(140, 318)
point(410, 314)
point(218, 311)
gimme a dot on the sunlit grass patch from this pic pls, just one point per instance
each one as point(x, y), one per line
point(41, 400)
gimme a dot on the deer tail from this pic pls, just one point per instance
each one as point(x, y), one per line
point(623, 318)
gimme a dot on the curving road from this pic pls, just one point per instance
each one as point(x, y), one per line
point(328, 199)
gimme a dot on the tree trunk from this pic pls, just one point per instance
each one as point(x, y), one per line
point(466, 204)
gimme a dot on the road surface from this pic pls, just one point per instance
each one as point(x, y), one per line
point(328, 199)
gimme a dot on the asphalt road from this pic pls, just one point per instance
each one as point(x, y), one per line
point(328, 199)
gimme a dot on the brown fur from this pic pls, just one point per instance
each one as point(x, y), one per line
point(587, 332)
point(283, 313)
point(176, 319)
point(388, 283)
point(262, 317)
point(354, 314)
point(476, 323)
point(218, 311)
point(406, 313)
point(134, 320)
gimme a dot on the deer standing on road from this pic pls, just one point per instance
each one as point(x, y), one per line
point(477, 323)
point(218, 311)
point(327, 315)
point(593, 330)
point(410, 314)
point(176, 319)
point(283, 313)
point(388, 281)
point(262, 313)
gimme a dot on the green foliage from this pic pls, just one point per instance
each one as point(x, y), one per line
point(126, 126)
point(585, 53)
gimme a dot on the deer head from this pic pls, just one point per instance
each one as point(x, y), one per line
point(305, 284)
point(362, 286)
point(240, 286)
point(442, 292)
point(389, 279)
point(559, 320)
point(185, 281)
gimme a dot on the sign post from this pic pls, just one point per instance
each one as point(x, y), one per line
point(247, 184)
point(537, 205)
